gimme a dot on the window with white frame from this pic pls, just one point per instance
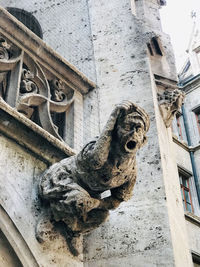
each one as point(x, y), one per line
point(185, 184)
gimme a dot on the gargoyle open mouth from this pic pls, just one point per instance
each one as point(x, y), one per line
point(130, 145)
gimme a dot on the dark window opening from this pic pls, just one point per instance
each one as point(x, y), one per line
point(27, 19)
point(59, 121)
point(4, 80)
point(156, 46)
point(185, 191)
point(196, 259)
point(150, 49)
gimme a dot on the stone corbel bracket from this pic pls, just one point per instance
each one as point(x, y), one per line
point(170, 101)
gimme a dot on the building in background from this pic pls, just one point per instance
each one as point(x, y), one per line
point(186, 129)
point(119, 52)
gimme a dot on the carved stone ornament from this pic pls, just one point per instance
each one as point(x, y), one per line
point(170, 101)
point(9, 56)
point(36, 91)
point(32, 89)
point(27, 85)
point(73, 188)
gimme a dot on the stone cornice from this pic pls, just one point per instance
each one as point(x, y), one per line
point(25, 39)
point(181, 143)
point(184, 145)
point(192, 218)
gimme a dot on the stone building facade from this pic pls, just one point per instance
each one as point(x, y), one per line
point(119, 52)
point(186, 137)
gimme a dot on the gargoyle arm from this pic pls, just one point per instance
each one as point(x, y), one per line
point(98, 155)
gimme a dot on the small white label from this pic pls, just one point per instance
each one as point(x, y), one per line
point(105, 194)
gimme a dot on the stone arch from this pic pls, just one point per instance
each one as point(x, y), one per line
point(17, 245)
point(27, 19)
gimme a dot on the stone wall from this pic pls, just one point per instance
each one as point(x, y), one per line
point(193, 225)
point(182, 157)
point(145, 230)
point(20, 211)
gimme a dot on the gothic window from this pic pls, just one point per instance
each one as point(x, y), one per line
point(27, 19)
point(185, 191)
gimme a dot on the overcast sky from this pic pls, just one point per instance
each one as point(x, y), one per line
point(177, 22)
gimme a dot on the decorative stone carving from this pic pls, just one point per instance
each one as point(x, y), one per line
point(8, 51)
point(30, 88)
point(37, 91)
point(27, 85)
point(4, 49)
point(170, 101)
point(57, 90)
point(73, 188)
point(9, 56)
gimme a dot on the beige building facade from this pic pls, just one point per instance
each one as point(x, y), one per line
point(56, 94)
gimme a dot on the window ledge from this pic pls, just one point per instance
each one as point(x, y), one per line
point(183, 144)
point(192, 218)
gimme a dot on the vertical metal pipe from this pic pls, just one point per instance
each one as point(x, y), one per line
point(194, 169)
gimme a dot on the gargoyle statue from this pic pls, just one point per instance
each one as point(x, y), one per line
point(73, 187)
point(170, 102)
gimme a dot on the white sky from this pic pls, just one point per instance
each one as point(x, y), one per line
point(177, 22)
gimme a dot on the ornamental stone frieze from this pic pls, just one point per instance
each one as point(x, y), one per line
point(72, 189)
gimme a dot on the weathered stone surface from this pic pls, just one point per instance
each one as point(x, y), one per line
point(73, 186)
point(19, 173)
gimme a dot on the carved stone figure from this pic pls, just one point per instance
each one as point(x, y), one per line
point(170, 101)
point(73, 187)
